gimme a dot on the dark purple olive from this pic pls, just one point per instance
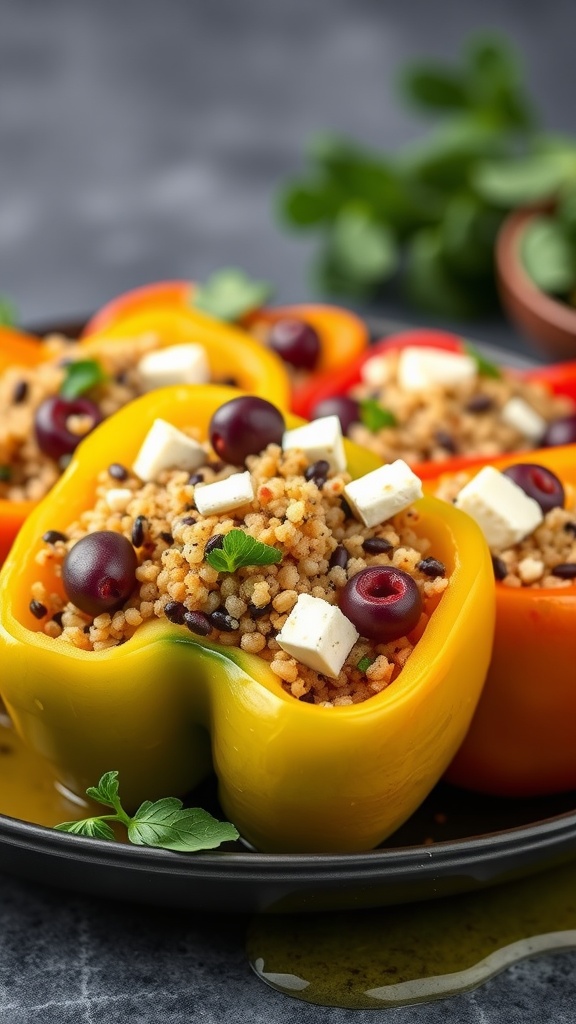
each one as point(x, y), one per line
point(383, 603)
point(560, 431)
point(244, 426)
point(538, 483)
point(296, 342)
point(50, 424)
point(99, 572)
point(346, 409)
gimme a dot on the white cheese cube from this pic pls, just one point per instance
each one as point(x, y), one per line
point(166, 447)
point(375, 372)
point(320, 439)
point(118, 498)
point(504, 513)
point(318, 634)
point(523, 418)
point(224, 495)
point(379, 495)
point(176, 364)
point(420, 368)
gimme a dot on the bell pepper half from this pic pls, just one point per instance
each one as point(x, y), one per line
point(166, 708)
point(560, 378)
point(522, 741)
point(231, 352)
point(343, 335)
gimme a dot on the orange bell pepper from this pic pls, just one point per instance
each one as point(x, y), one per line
point(522, 741)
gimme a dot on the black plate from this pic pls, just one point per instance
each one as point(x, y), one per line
point(456, 842)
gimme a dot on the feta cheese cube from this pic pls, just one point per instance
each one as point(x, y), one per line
point(318, 634)
point(375, 372)
point(523, 418)
point(224, 495)
point(420, 368)
point(166, 447)
point(176, 364)
point(504, 513)
point(382, 493)
point(118, 498)
point(320, 439)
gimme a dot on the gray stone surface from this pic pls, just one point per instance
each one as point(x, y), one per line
point(146, 139)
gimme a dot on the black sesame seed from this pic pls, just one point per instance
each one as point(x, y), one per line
point(87, 628)
point(346, 509)
point(51, 536)
point(222, 621)
point(197, 623)
point(117, 472)
point(432, 567)
point(257, 613)
point(196, 478)
point(175, 612)
point(216, 541)
point(500, 567)
point(318, 472)
point(167, 537)
point(446, 441)
point(377, 545)
point(339, 557)
point(479, 403)
point(187, 521)
point(138, 530)
point(570, 528)
point(565, 571)
point(20, 392)
point(38, 609)
point(57, 618)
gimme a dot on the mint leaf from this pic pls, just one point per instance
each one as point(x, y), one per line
point(485, 367)
point(434, 87)
point(81, 375)
point(96, 828)
point(364, 249)
point(374, 416)
point(548, 255)
point(5, 474)
point(229, 294)
point(167, 824)
point(364, 664)
point(8, 312)
point(106, 792)
point(521, 181)
point(239, 549)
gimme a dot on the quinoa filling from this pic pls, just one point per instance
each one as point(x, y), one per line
point(298, 508)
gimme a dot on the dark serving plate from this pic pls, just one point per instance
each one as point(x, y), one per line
point(455, 842)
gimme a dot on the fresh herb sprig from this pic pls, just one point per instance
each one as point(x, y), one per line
point(230, 294)
point(240, 549)
point(374, 416)
point(428, 214)
point(162, 823)
point(484, 366)
point(81, 375)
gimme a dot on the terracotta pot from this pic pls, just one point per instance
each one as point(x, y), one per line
point(550, 324)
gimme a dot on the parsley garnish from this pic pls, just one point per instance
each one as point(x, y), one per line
point(229, 294)
point(484, 366)
point(81, 375)
point(364, 664)
point(374, 416)
point(164, 823)
point(240, 549)
point(5, 474)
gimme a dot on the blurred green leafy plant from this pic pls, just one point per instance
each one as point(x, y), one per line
point(429, 213)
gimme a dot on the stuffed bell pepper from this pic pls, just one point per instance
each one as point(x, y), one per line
point(52, 393)
point(429, 398)
point(311, 338)
point(212, 586)
point(522, 741)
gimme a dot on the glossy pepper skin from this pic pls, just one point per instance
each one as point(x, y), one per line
point(560, 378)
point(522, 741)
point(166, 707)
point(343, 335)
point(230, 351)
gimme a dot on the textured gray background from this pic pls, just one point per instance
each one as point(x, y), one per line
point(141, 140)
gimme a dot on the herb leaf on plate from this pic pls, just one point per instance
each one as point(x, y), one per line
point(230, 294)
point(240, 549)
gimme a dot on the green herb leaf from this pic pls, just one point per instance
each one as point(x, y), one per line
point(468, 233)
point(8, 312)
point(5, 474)
point(374, 416)
point(167, 824)
point(81, 376)
point(485, 367)
point(306, 204)
point(239, 549)
point(434, 87)
point(365, 250)
point(548, 255)
point(364, 664)
point(229, 294)
point(106, 792)
point(434, 285)
point(96, 828)
point(521, 181)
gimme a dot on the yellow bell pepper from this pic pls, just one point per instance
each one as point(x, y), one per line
point(165, 708)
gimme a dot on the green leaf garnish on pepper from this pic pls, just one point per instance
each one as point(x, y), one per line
point(163, 823)
point(229, 294)
point(81, 376)
point(239, 549)
point(485, 367)
point(374, 416)
point(364, 664)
